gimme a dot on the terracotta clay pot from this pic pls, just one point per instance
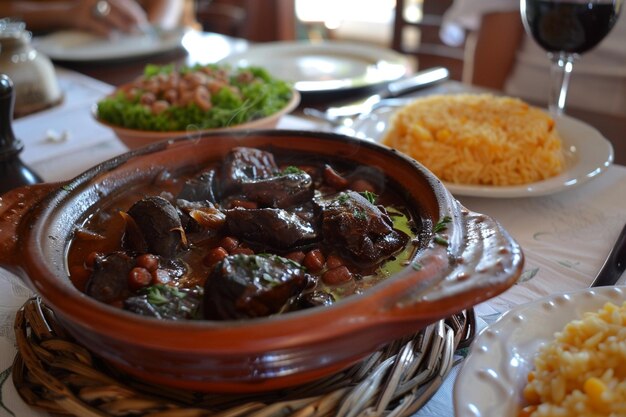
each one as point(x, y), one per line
point(37, 222)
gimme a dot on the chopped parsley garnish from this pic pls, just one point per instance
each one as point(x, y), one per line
point(371, 197)
point(442, 224)
point(343, 197)
point(292, 263)
point(157, 294)
point(270, 279)
point(285, 261)
point(359, 214)
point(291, 169)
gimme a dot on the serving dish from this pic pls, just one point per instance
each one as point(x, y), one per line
point(325, 67)
point(587, 155)
point(491, 380)
point(478, 261)
point(168, 101)
point(135, 138)
point(79, 46)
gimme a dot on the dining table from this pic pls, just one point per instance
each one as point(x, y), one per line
point(565, 235)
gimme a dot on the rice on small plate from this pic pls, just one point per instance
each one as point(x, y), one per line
point(567, 347)
point(478, 139)
point(582, 372)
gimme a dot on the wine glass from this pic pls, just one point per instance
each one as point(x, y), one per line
point(566, 29)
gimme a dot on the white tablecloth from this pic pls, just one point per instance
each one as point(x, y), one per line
point(565, 236)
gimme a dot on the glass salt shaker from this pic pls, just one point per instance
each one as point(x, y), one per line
point(34, 77)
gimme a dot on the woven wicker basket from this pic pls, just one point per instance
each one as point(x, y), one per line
point(54, 373)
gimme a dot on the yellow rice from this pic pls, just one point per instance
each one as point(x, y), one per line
point(478, 139)
point(583, 371)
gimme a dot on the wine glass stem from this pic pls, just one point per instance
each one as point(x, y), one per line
point(561, 70)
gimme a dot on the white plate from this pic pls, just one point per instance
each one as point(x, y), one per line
point(587, 154)
point(324, 66)
point(493, 376)
point(71, 45)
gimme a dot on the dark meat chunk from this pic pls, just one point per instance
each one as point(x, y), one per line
point(308, 211)
point(280, 191)
point(314, 299)
point(155, 227)
point(358, 228)
point(269, 227)
point(167, 302)
point(252, 175)
point(169, 270)
point(244, 165)
point(199, 188)
point(247, 286)
point(109, 279)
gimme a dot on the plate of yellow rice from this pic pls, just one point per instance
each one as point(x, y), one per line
point(564, 355)
point(491, 146)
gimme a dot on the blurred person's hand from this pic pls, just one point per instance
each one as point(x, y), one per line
point(105, 17)
point(102, 17)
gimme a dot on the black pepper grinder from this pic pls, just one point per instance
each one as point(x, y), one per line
point(13, 172)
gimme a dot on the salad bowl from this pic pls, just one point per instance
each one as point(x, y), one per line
point(136, 138)
point(167, 102)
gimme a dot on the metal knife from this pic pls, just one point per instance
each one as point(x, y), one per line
point(615, 263)
point(418, 80)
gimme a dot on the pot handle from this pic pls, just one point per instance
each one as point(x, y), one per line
point(13, 207)
point(488, 262)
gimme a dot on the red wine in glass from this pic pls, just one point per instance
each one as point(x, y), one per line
point(566, 29)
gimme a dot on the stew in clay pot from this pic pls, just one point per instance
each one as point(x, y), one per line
point(248, 237)
point(251, 261)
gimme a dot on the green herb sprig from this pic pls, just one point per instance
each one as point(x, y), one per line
point(370, 196)
point(343, 198)
point(291, 169)
point(156, 294)
point(442, 224)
